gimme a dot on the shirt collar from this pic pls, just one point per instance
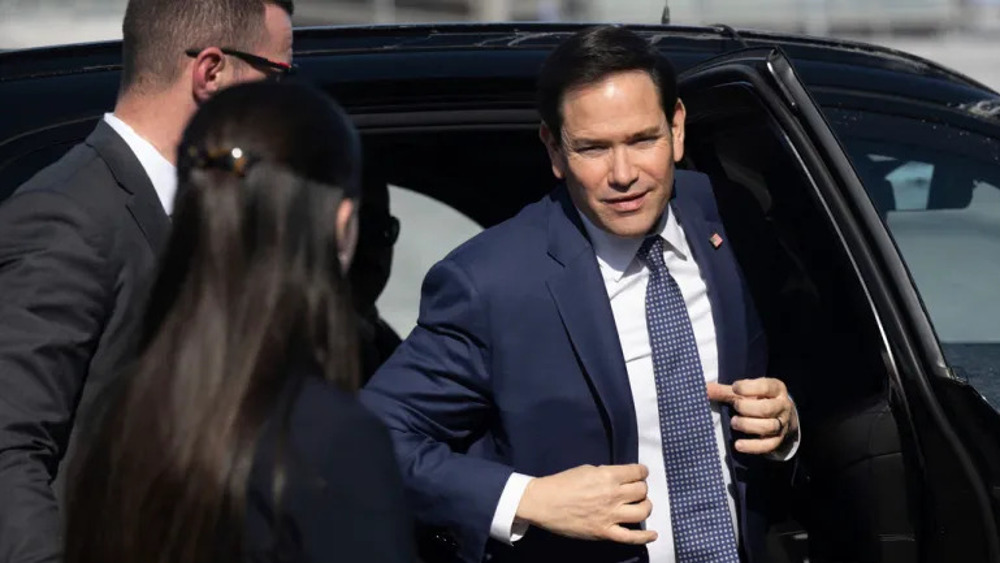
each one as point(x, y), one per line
point(161, 172)
point(616, 254)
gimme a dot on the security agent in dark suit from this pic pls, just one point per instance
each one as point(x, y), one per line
point(370, 271)
point(79, 241)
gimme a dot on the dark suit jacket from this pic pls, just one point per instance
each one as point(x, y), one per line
point(515, 365)
point(78, 243)
point(343, 499)
point(376, 341)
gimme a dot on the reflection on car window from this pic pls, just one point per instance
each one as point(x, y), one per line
point(937, 188)
point(429, 230)
point(911, 182)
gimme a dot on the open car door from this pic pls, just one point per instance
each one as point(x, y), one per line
point(900, 460)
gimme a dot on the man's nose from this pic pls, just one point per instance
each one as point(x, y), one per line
point(623, 172)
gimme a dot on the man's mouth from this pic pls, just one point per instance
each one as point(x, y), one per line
point(626, 203)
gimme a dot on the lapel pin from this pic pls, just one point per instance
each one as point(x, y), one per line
point(716, 240)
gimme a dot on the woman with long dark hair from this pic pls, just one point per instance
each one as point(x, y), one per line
point(236, 437)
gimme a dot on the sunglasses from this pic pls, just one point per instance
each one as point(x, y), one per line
point(385, 233)
point(275, 70)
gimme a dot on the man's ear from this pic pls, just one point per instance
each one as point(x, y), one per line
point(554, 148)
point(206, 74)
point(677, 130)
point(347, 233)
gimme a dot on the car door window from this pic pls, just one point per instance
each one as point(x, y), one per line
point(446, 185)
point(429, 230)
point(819, 324)
point(938, 188)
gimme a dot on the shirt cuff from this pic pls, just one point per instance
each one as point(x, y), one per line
point(504, 528)
point(790, 446)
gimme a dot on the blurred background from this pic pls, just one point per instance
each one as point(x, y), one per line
point(962, 34)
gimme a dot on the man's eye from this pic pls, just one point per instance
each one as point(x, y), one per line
point(644, 141)
point(589, 149)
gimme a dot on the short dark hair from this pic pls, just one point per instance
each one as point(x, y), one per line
point(157, 32)
point(593, 54)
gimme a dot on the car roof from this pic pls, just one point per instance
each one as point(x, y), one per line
point(97, 56)
point(382, 65)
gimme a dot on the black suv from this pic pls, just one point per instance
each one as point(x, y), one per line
point(860, 188)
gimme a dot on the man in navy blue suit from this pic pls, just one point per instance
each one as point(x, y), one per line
point(573, 385)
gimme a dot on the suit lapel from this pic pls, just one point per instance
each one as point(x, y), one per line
point(722, 279)
point(143, 203)
point(580, 296)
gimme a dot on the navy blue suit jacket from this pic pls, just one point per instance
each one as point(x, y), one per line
point(515, 365)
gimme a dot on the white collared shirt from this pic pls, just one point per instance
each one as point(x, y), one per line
point(625, 279)
point(161, 172)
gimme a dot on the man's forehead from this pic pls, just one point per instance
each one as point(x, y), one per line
point(616, 82)
point(598, 122)
point(632, 88)
point(615, 132)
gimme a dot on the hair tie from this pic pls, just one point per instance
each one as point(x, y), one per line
point(234, 160)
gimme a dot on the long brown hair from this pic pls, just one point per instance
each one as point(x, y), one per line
point(250, 284)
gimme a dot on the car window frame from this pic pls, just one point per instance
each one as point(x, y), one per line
point(915, 360)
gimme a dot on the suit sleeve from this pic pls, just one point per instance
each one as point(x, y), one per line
point(54, 294)
point(435, 397)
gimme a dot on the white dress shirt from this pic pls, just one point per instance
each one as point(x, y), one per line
point(625, 279)
point(161, 172)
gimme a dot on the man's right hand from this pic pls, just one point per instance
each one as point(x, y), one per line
point(591, 503)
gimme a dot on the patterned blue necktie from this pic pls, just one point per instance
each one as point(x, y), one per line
point(699, 510)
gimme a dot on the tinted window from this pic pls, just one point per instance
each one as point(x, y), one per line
point(445, 186)
point(429, 230)
point(938, 188)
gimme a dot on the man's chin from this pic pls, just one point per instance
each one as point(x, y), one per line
point(635, 227)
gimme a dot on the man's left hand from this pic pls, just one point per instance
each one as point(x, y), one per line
point(763, 408)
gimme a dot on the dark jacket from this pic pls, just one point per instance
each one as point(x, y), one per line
point(78, 244)
point(376, 341)
point(343, 496)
